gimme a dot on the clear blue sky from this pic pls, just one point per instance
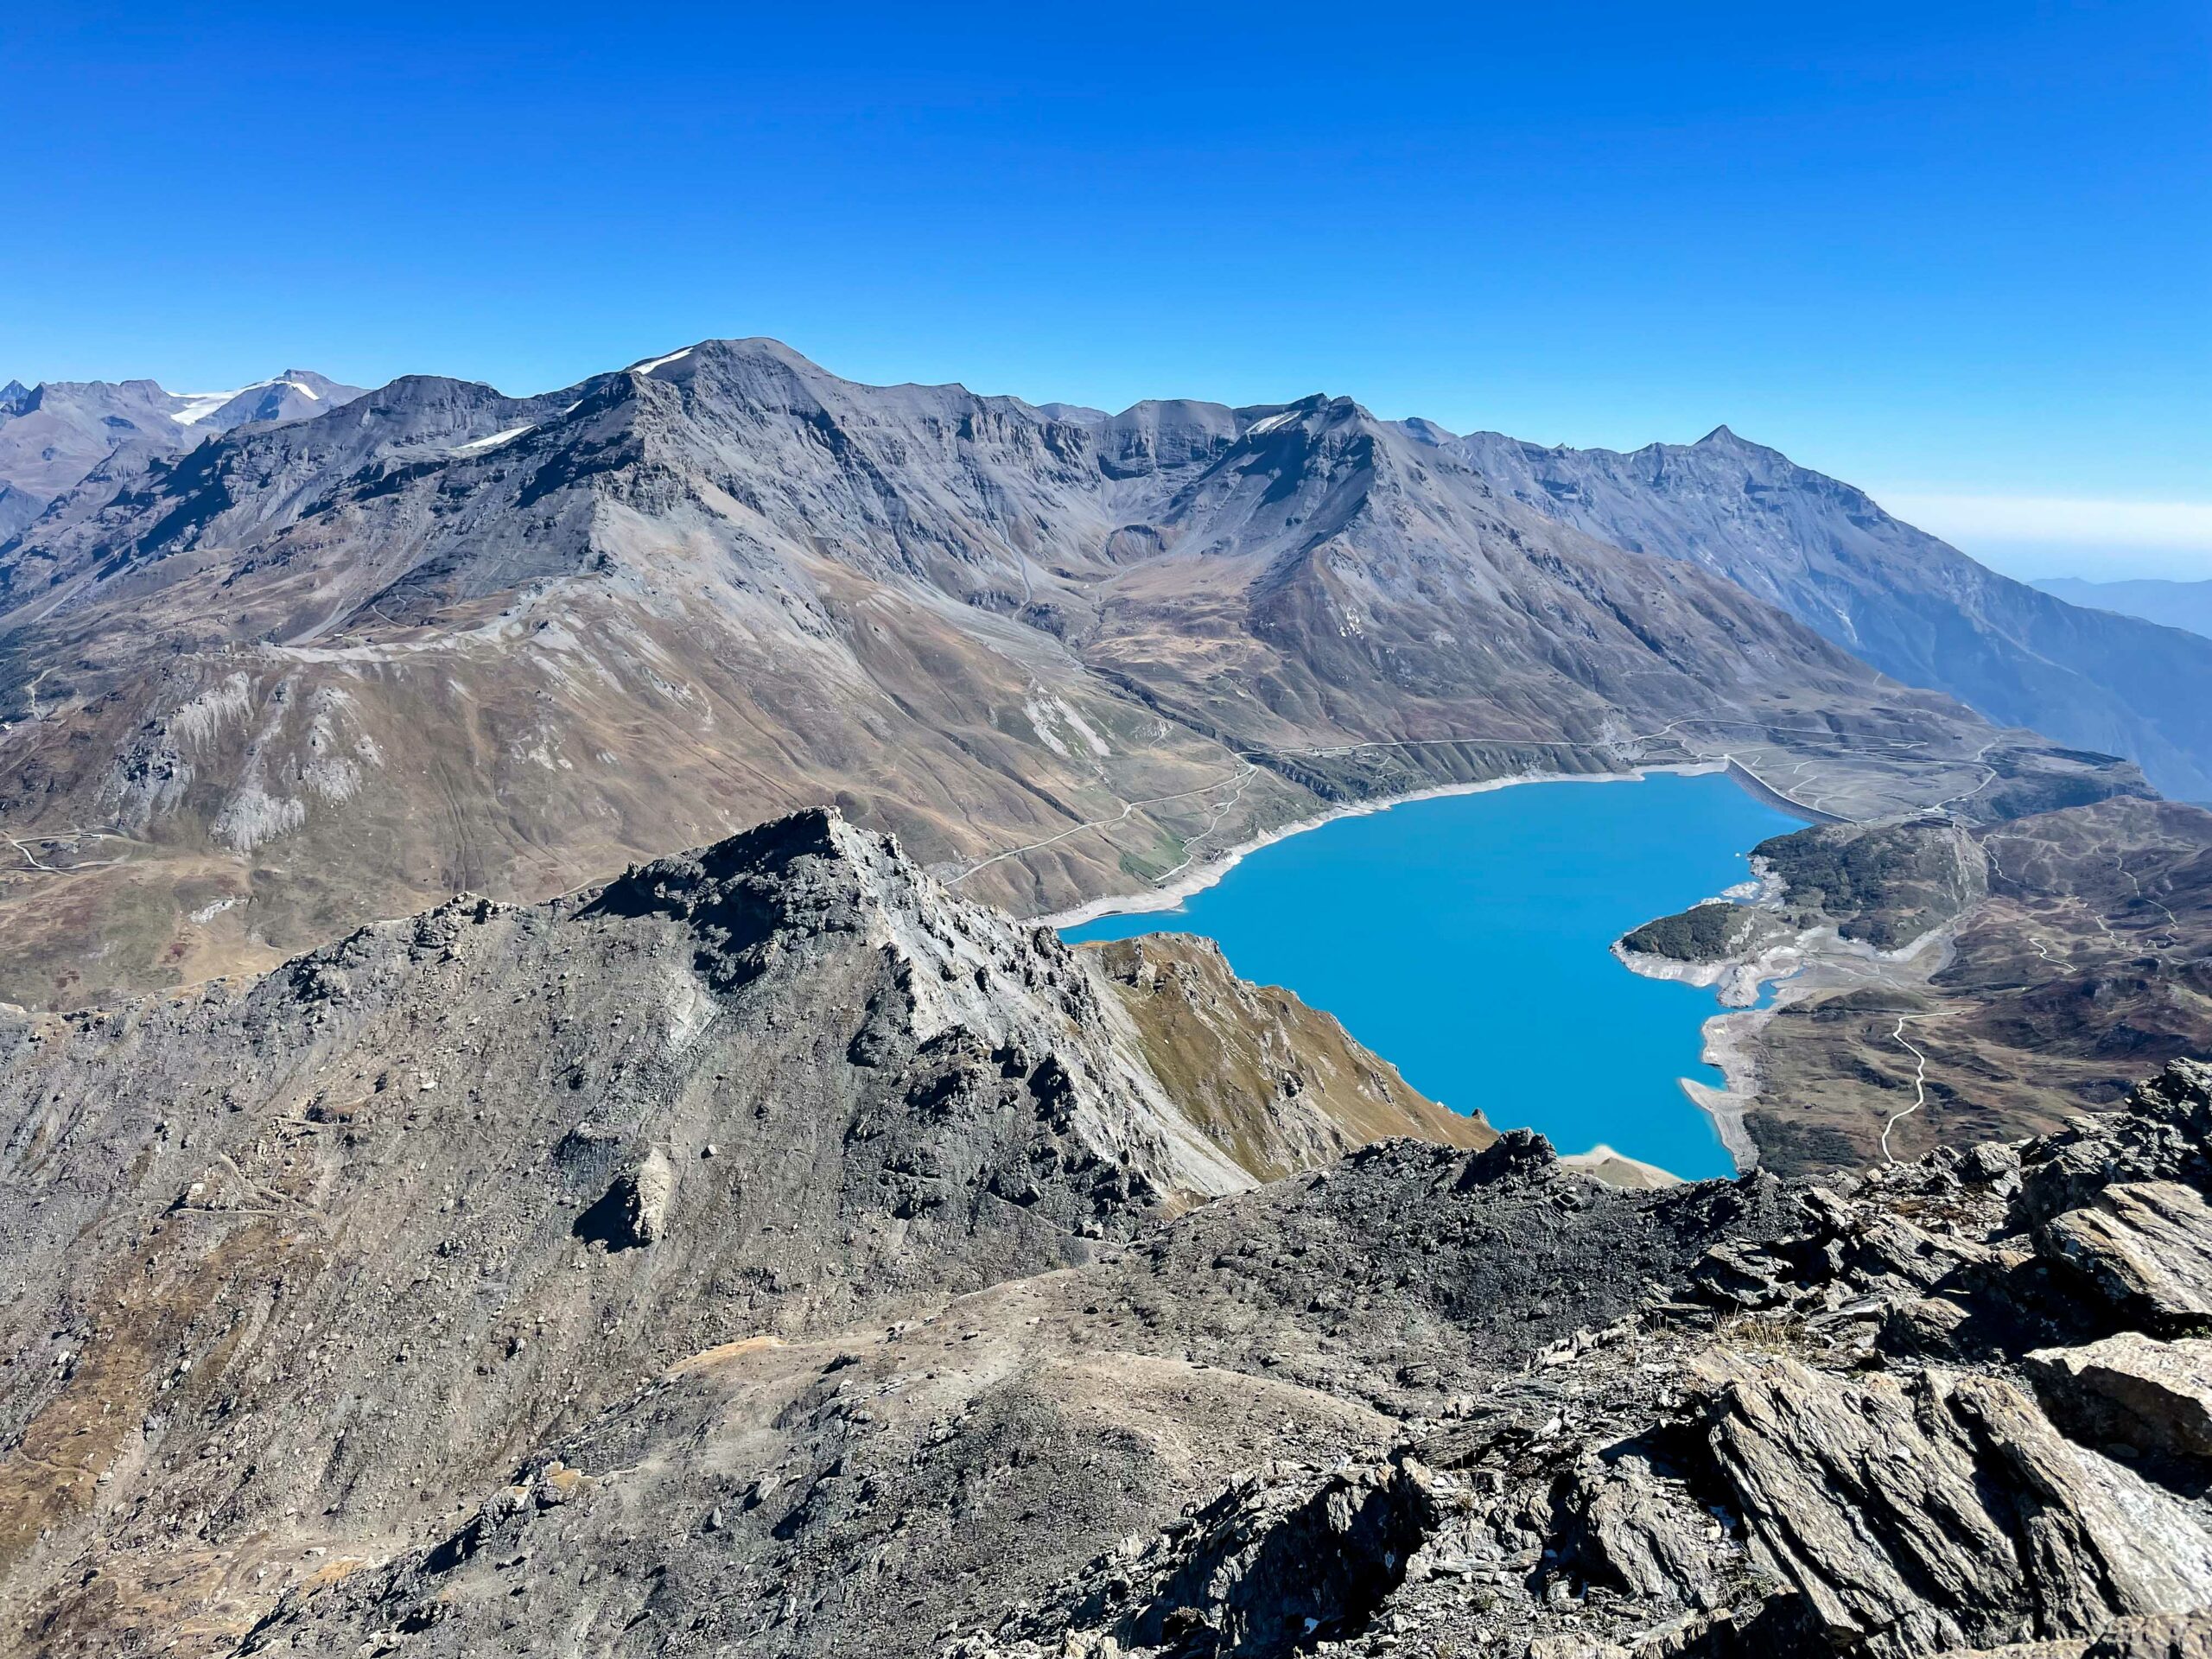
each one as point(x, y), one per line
point(1948, 250)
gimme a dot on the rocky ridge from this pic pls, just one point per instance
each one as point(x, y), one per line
point(1945, 1407)
point(301, 1261)
point(767, 1253)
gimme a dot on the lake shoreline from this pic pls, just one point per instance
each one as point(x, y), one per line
point(1817, 959)
point(1714, 1105)
point(1171, 896)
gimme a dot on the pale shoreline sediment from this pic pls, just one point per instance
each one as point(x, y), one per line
point(1816, 959)
point(1618, 1169)
point(1728, 1037)
point(1200, 877)
point(1170, 897)
point(1728, 1050)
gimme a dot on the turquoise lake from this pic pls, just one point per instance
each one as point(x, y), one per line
point(1466, 940)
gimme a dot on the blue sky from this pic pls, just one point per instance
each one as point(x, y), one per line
point(1960, 254)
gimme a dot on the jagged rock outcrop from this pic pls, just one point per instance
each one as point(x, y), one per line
point(1942, 1512)
point(2145, 1245)
point(303, 1261)
point(1134, 1458)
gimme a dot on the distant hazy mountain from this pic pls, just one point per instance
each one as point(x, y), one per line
point(1914, 607)
point(2176, 604)
point(441, 638)
point(54, 434)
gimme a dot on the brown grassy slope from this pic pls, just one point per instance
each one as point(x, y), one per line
point(2088, 963)
point(1278, 1085)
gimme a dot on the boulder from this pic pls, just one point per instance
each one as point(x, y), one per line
point(633, 1212)
point(1940, 1510)
point(2146, 1247)
point(2154, 1395)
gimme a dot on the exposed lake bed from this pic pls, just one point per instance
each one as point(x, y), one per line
point(1467, 937)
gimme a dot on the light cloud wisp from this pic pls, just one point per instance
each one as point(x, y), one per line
point(2033, 536)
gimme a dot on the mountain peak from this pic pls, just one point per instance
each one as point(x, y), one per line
point(1727, 440)
point(752, 349)
point(810, 867)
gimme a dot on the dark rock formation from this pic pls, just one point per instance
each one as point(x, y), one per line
point(1775, 1420)
point(346, 1243)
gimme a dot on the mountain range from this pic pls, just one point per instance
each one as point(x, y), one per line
point(1914, 607)
point(2174, 604)
point(733, 1229)
point(53, 434)
point(309, 672)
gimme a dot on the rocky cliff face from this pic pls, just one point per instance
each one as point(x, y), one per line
point(439, 638)
point(1896, 597)
point(307, 1258)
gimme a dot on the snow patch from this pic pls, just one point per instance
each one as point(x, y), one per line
point(477, 446)
point(198, 406)
point(648, 367)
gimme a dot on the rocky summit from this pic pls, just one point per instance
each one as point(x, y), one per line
point(304, 1259)
point(767, 1252)
point(1430, 1402)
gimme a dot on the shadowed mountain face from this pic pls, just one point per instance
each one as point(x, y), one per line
point(1914, 607)
point(442, 638)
